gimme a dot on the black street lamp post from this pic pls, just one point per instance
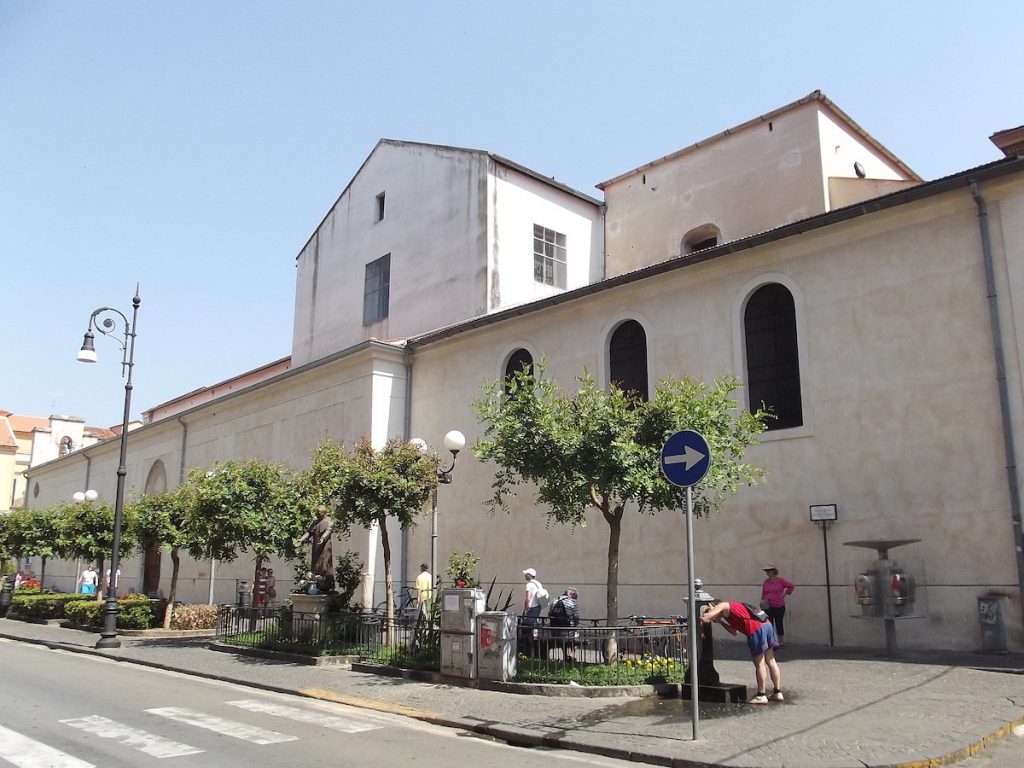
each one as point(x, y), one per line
point(104, 320)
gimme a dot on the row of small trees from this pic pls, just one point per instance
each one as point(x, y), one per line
point(251, 506)
point(592, 448)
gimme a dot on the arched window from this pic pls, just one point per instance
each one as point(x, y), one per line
point(627, 358)
point(156, 480)
point(699, 238)
point(519, 360)
point(773, 361)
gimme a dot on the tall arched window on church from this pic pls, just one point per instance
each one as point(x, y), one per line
point(627, 358)
point(773, 361)
point(519, 360)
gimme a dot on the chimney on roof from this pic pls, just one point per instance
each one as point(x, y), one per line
point(1010, 141)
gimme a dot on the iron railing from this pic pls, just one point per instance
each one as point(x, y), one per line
point(640, 650)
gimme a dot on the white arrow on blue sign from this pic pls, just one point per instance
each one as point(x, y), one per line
point(685, 458)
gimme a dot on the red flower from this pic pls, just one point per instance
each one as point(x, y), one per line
point(460, 584)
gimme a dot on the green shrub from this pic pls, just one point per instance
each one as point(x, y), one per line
point(194, 616)
point(84, 612)
point(47, 605)
point(132, 613)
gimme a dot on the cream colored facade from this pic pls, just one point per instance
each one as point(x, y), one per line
point(903, 425)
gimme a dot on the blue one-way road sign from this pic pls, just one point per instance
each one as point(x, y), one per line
point(685, 458)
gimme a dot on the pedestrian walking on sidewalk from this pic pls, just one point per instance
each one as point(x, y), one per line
point(88, 580)
point(761, 641)
point(773, 599)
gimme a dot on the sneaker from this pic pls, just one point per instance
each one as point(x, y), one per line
point(777, 696)
point(759, 699)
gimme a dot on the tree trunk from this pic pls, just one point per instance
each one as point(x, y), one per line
point(252, 592)
point(169, 612)
point(101, 585)
point(614, 518)
point(388, 582)
point(42, 573)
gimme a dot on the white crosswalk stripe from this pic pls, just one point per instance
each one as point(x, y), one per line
point(304, 716)
point(220, 725)
point(24, 752)
point(151, 744)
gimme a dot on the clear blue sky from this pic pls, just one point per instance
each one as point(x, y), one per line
point(194, 146)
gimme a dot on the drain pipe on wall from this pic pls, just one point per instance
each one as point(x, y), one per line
point(403, 565)
point(1009, 446)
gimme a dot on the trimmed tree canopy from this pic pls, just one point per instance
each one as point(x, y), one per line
point(601, 449)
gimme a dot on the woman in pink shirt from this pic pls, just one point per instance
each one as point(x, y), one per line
point(773, 599)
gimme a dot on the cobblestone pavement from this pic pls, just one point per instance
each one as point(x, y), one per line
point(843, 708)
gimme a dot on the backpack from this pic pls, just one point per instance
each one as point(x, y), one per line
point(542, 594)
point(755, 613)
point(557, 609)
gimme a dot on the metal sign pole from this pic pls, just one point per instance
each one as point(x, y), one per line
point(694, 618)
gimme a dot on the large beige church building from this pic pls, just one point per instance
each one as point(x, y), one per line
point(875, 311)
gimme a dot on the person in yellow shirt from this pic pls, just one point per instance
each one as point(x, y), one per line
point(424, 588)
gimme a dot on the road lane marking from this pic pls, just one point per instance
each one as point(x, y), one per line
point(24, 752)
point(304, 716)
point(222, 726)
point(151, 744)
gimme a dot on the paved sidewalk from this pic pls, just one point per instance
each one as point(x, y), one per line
point(843, 708)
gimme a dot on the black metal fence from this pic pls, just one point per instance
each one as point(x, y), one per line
point(407, 641)
point(639, 650)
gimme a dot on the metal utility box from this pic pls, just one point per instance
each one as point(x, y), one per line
point(990, 618)
point(459, 609)
point(496, 646)
point(457, 655)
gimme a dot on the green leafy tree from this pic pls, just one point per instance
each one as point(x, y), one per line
point(159, 520)
point(601, 449)
point(248, 506)
point(366, 487)
point(33, 533)
point(86, 531)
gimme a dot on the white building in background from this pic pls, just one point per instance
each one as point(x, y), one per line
point(794, 251)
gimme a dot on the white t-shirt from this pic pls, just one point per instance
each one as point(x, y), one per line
point(535, 590)
point(89, 578)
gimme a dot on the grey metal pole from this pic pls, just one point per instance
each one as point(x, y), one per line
point(433, 534)
point(694, 618)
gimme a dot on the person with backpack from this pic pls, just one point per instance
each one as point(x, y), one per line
point(761, 640)
point(563, 614)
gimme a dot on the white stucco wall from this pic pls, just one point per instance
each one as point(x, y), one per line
point(903, 430)
point(434, 227)
point(281, 421)
point(458, 226)
point(519, 202)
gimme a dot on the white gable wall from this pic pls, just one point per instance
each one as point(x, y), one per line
point(520, 201)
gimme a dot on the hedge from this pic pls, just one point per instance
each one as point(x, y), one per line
point(48, 605)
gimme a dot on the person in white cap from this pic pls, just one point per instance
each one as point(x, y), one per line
point(532, 596)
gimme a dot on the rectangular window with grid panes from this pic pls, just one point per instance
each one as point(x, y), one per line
point(376, 290)
point(548, 256)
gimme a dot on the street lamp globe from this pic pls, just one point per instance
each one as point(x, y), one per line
point(454, 441)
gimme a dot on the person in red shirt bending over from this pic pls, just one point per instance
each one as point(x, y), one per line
point(761, 641)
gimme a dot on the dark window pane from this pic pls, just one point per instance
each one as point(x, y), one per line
point(627, 357)
point(773, 362)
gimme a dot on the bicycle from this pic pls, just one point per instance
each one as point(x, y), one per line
point(406, 605)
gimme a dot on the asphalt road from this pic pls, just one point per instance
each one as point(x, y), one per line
point(65, 710)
